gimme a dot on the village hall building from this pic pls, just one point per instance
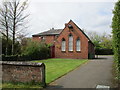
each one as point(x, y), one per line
point(70, 42)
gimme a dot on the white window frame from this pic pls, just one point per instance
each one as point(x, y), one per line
point(63, 45)
point(70, 43)
point(43, 38)
point(78, 44)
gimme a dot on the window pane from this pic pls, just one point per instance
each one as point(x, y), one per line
point(70, 43)
point(63, 45)
point(78, 45)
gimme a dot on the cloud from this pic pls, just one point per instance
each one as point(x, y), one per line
point(99, 17)
point(74, 1)
point(92, 16)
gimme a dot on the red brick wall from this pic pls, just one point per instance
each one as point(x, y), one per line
point(36, 38)
point(23, 72)
point(47, 40)
point(91, 50)
point(76, 33)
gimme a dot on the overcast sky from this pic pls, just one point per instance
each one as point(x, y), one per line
point(95, 15)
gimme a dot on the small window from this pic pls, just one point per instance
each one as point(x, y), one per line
point(63, 45)
point(70, 42)
point(43, 38)
point(56, 36)
point(78, 44)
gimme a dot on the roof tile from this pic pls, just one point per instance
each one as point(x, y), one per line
point(49, 32)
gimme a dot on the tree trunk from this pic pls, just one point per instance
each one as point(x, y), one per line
point(13, 42)
point(14, 27)
point(7, 43)
point(6, 26)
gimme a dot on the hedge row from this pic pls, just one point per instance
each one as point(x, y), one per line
point(104, 52)
point(22, 58)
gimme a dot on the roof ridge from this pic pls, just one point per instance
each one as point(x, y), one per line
point(49, 32)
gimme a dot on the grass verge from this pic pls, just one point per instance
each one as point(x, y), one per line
point(19, 85)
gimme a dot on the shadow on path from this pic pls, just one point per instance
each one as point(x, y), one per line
point(100, 58)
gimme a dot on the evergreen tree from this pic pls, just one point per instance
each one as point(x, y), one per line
point(116, 35)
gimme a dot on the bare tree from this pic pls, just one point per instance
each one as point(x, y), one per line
point(16, 16)
point(4, 21)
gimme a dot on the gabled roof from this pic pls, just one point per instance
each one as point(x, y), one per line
point(49, 32)
point(82, 32)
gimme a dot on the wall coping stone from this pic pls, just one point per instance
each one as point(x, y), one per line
point(23, 63)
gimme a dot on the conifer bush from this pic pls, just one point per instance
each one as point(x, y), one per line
point(116, 36)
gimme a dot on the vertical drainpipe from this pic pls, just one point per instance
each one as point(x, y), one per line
point(54, 45)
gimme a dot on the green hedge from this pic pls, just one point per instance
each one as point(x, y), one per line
point(15, 58)
point(103, 51)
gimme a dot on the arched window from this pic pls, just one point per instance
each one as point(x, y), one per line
point(63, 47)
point(70, 42)
point(78, 44)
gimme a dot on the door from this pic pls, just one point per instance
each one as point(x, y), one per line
point(52, 51)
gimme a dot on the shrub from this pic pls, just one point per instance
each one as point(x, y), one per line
point(17, 47)
point(33, 51)
point(36, 50)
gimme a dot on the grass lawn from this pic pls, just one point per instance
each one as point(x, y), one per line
point(55, 68)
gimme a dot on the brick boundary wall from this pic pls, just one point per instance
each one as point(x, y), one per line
point(25, 72)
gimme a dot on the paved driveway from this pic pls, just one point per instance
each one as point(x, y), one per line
point(94, 72)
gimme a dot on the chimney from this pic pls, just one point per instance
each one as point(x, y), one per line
point(66, 24)
point(52, 29)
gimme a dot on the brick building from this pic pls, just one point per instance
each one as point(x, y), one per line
point(70, 42)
